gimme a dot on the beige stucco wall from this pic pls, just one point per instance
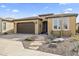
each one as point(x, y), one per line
point(39, 26)
point(49, 25)
point(9, 27)
point(35, 21)
point(72, 27)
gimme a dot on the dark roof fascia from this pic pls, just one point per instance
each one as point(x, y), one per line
point(8, 20)
point(45, 14)
point(62, 15)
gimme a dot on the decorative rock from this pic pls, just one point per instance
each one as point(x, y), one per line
point(40, 38)
point(52, 45)
point(58, 40)
point(75, 50)
point(48, 41)
point(36, 43)
point(32, 47)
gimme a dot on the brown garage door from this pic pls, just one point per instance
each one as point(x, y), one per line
point(26, 27)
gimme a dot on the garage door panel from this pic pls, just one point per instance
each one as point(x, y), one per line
point(26, 27)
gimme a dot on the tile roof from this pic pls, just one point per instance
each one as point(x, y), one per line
point(6, 19)
point(28, 18)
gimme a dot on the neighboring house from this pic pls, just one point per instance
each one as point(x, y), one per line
point(56, 24)
point(77, 27)
point(6, 26)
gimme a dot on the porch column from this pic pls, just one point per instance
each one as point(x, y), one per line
point(36, 27)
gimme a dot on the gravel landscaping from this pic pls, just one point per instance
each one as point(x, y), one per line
point(66, 47)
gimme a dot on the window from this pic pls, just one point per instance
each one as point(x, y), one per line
point(4, 26)
point(61, 23)
point(65, 23)
point(57, 23)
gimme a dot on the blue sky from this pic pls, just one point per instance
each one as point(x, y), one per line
point(20, 10)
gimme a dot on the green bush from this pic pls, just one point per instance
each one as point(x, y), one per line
point(56, 33)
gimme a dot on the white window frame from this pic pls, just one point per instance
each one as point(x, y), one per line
point(62, 23)
point(66, 19)
point(57, 26)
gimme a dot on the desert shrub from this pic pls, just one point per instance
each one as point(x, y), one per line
point(56, 34)
point(75, 37)
point(29, 39)
point(78, 46)
point(57, 41)
point(5, 33)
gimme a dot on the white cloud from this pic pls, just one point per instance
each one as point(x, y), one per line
point(15, 10)
point(69, 10)
point(2, 6)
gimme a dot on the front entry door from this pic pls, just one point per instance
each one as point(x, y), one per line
point(45, 27)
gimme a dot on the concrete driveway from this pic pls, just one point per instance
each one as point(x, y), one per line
point(18, 36)
point(15, 36)
point(15, 48)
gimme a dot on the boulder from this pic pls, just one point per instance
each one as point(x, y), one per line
point(58, 40)
point(52, 45)
point(30, 38)
point(40, 38)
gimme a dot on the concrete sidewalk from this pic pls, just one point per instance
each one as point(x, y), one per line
point(15, 48)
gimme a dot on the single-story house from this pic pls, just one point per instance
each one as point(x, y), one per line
point(6, 26)
point(77, 27)
point(56, 24)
